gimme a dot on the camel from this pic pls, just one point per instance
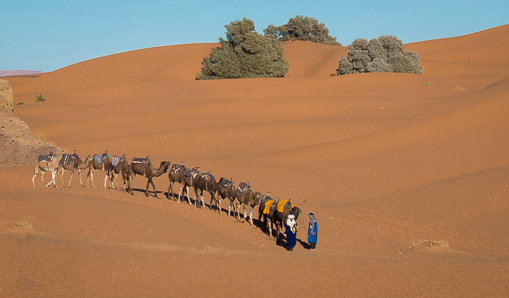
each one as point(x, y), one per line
point(281, 217)
point(268, 219)
point(104, 165)
point(45, 164)
point(226, 190)
point(147, 170)
point(207, 182)
point(121, 168)
point(247, 197)
point(72, 163)
point(190, 179)
point(176, 174)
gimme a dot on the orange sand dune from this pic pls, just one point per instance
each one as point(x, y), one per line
point(407, 175)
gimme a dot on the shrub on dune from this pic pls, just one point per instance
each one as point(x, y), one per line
point(383, 54)
point(244, 54)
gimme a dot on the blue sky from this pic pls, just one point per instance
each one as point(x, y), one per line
point(48, 35)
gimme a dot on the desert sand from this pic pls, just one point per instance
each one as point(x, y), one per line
point(408, 176)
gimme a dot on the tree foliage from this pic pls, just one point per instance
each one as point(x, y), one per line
point(382, 54)
point(244, 54)
point(301, 28)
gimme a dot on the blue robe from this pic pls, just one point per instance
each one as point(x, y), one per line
point(291, 237)
point(311, 229)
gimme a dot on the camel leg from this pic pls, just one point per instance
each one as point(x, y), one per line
point(62, 176)
point(91, 174)
point(33, 178)
point(218, 204)
point(79, 174)
point(105, 179)
point(154, 187)
point(146, 188)
point(70, 178)
point(202, 201)
point(196, 202)
point(251, 216)
point(269, 225)
point(187, 195)
point(170, 191)
point(53, 174)
point(180, 193)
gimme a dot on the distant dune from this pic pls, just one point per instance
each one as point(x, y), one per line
point(408, 176)
point(6, 73)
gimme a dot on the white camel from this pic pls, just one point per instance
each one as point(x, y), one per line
point(45, 166)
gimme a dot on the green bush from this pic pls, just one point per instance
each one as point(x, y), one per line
point(244, 54)
point(301, 28)
point(40, 98)
point(383, 54)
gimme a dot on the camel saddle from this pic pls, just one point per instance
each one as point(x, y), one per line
point(69, 158)
point(143, 160)
point(243, 187)
point(47, 158)
point(281, 205)
point(225, 183)
point(191, 173)
point(175, 168)
point(115, 160)
point(206, 176)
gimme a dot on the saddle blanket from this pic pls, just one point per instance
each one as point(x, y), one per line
point(206, 176)
point(243, 186)
point(140, 160)
point(98, 158)
point(68, 158)
point(115, 160)
point(267, 206)
point(175, 168)
point(281, 205)
point(191, 173)
point(47, 158)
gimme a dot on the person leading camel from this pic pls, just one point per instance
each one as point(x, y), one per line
point(291, 232)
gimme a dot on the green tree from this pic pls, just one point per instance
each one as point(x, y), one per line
point(301, 28)
point(244, 54)
point(383, 54)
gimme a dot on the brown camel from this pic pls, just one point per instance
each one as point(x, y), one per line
point(207, 182)
point(120, 166)
point(100, 162)
point(46, 163)
point(226, 190)
point(72, 163)
point(147, 170)
point(248, 198)
point(269, 218)
point(189, 180)
point(176, 174)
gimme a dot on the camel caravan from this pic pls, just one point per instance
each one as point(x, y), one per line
point(270, 212)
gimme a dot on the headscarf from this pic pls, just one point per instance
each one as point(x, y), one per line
point(290, 221)
point(312, 220)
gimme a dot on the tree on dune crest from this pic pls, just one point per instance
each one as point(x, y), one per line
point(244, 54)
point(383, 54)
point(301, 28)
